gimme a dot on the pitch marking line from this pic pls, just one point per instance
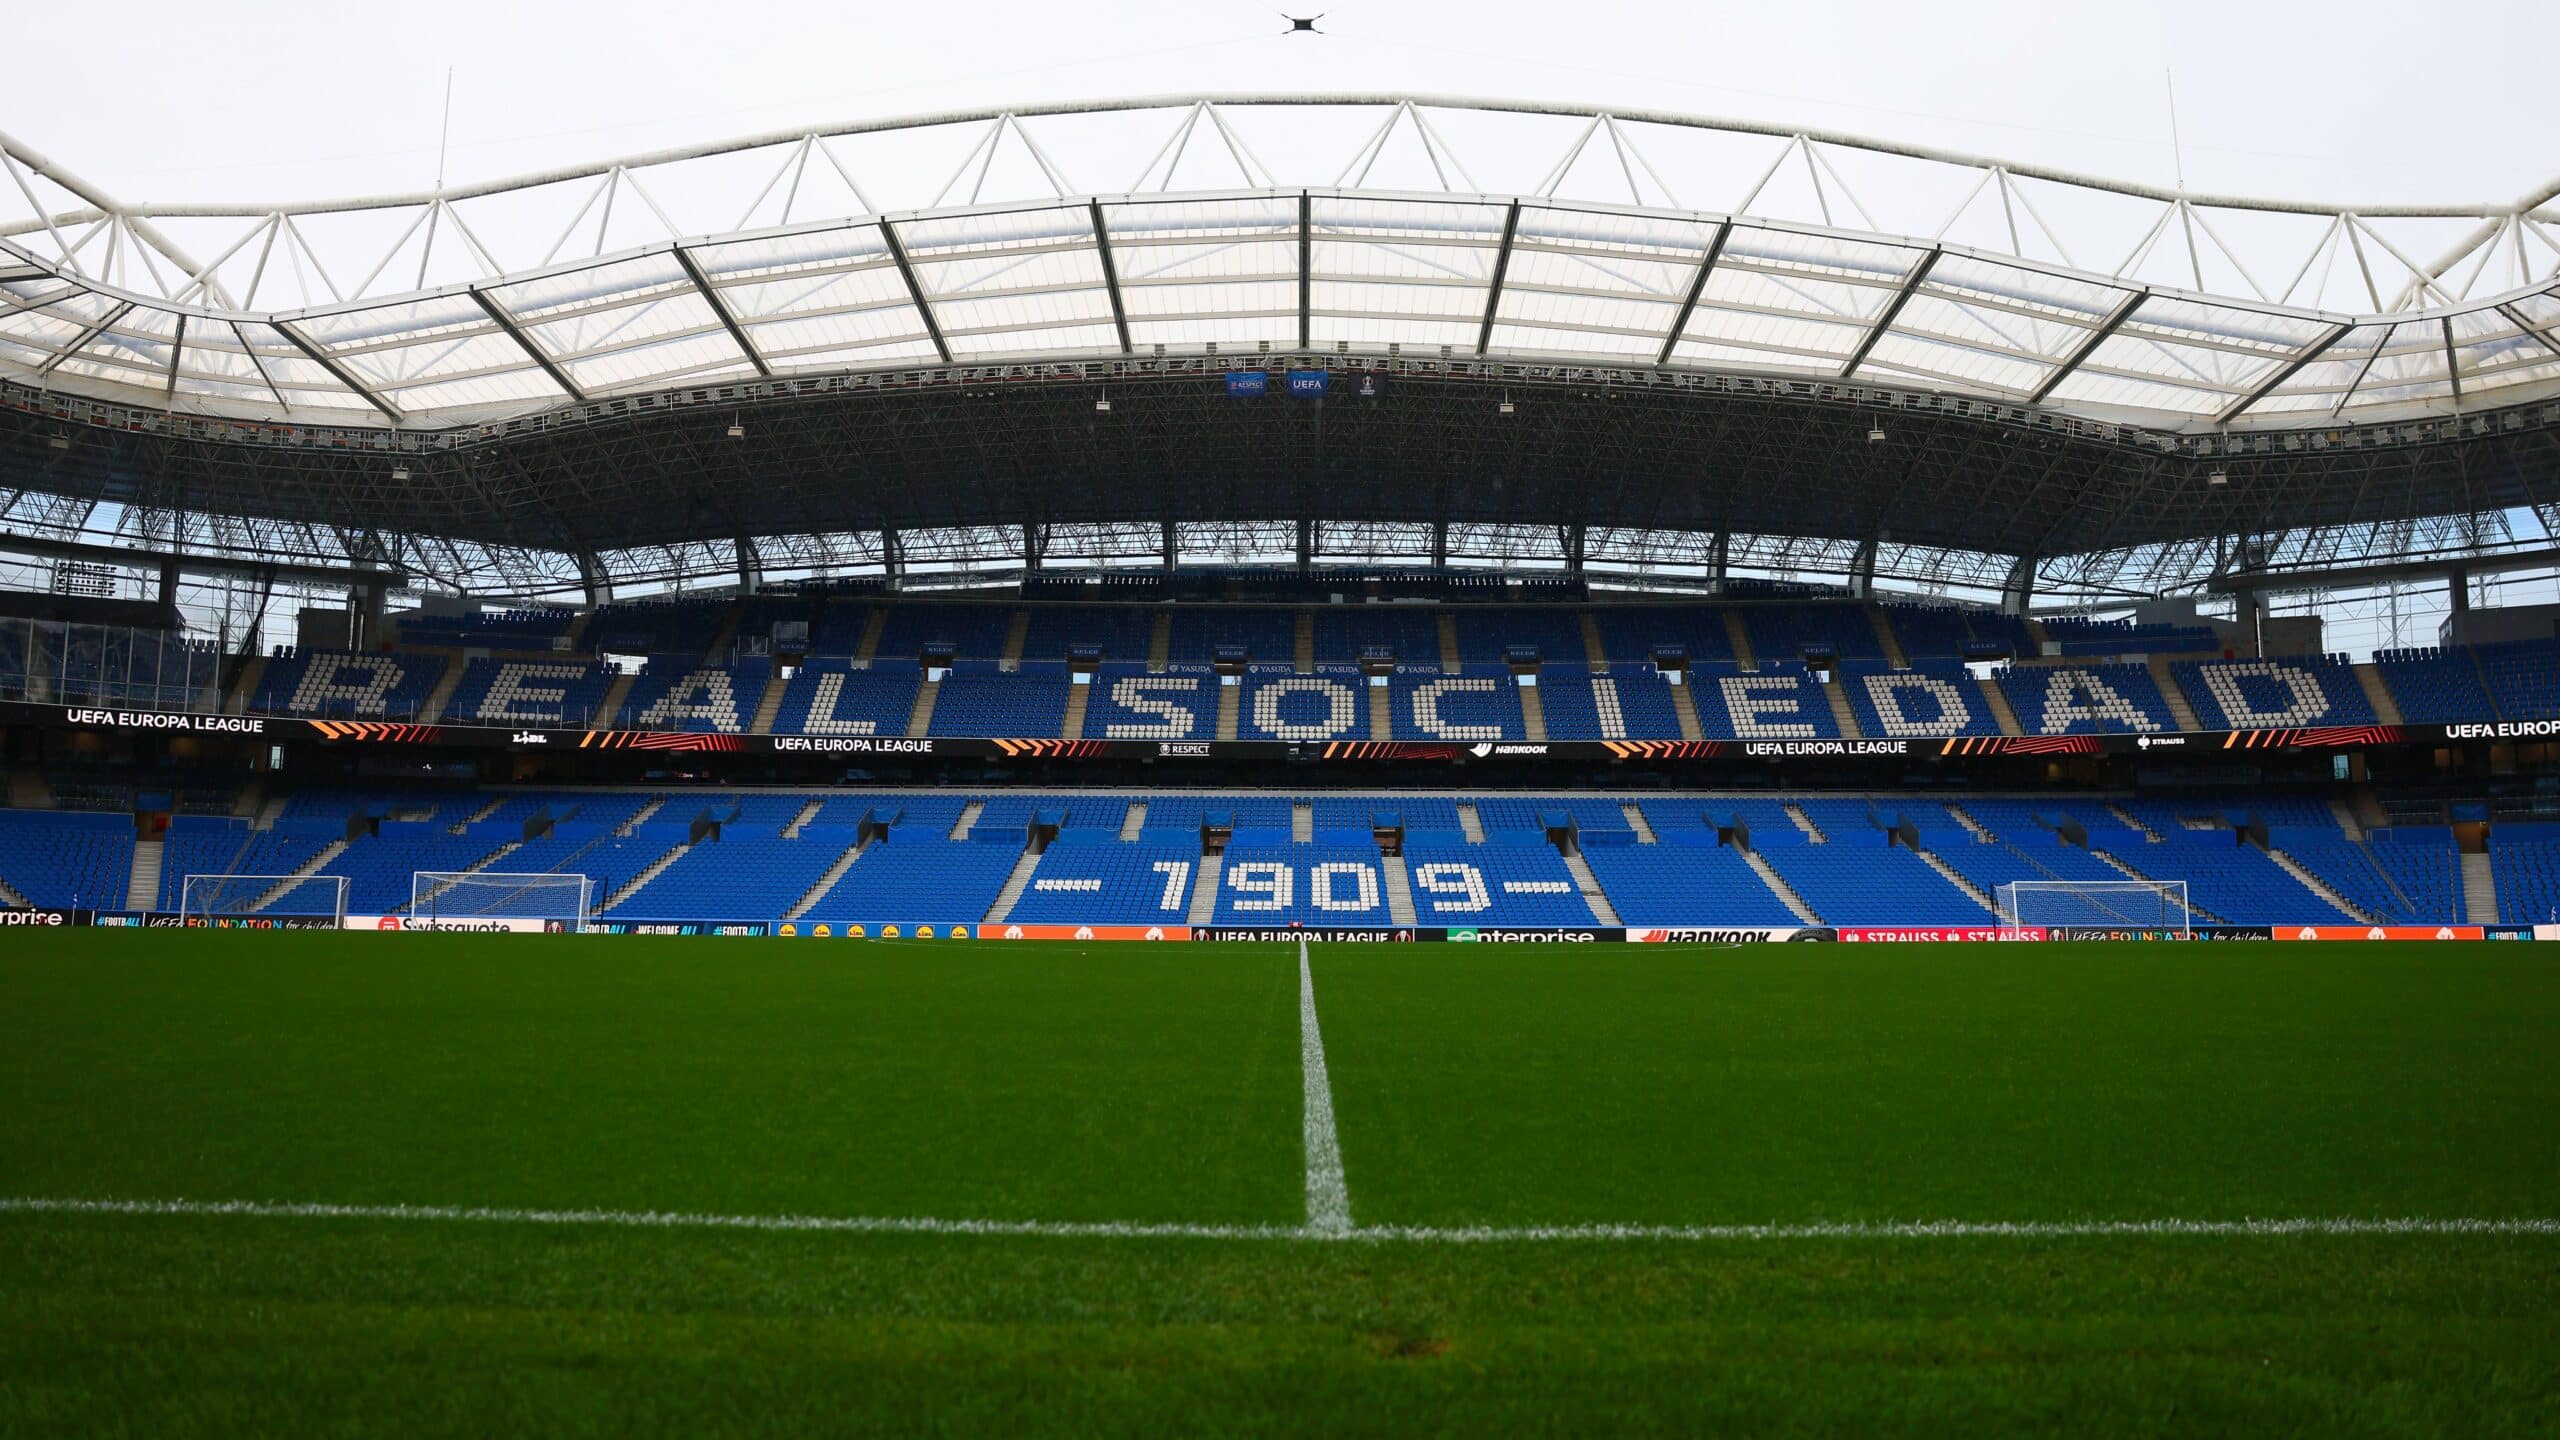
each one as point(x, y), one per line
point(1328, 1195)
point(1379, 1234)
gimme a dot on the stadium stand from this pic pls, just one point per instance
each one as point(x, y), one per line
point(2270, 694)
point(1780, 702)
point(977, 699)
point(1331, 704)
point(831, 697)
point(674, 693)
point(1478, 704)
point(1630, 702)
point(1931, 699)
point(66, 860)
point(2085, 699)
point(1197, 633)
point(2434, 686)
point(530, 692)
point(1082, 880)
point(1129, 703)
point(391, 686)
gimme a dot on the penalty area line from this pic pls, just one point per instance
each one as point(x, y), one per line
point(1370, 1234)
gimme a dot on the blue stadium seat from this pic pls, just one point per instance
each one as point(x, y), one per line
point(831, 697)
point(392, 686)
point(1479, 704)
point(1090, 880)
point(2274, 694)
point(529, 692)
point(1931, 700)
point(2085, 699)
point(978, 699)
point(1128, 703)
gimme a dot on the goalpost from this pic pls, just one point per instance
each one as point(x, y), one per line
point(2111, 904)
point(299, 900)
point(541, 900)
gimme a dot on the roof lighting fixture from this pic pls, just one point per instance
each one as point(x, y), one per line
point(399, 472)
point(1505, 408)
point(2216, 476)
point(1102, 406)
point(58, 442)
point(1875, 434)
point(737, 431)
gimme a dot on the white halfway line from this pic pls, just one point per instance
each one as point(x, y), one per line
point(1404, 1234)
point(1328, 1195)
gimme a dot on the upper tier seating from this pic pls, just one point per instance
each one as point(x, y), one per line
point(1332, 704)
point(978, 700)
point(529, 692)
point(2085, 699)
point(1268, 636)
point(1634, 632)
point(1931, 700)
point(681, 626)
point(111, 665)
point(1780, 701)
point(830, 697)
point(1480, 704)
point(672, 693)
point(392, 686)
point(1786, 632)
point(976, 631)
point(534, 629)
point(2436, 686)
point(1631, 702)
point(1123, 631)
point(2274, 694)
point(2524, 677)
point(2082, 635)
point(1346, 633)
point(1945, 632)
point(1128, 703)
point(1487, 632)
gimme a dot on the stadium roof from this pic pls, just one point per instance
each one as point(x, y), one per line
point(2087, 296)
point(1872, 357)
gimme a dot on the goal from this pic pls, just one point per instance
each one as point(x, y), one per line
point(2111, 904)
point(534, 900)
point(312, 901)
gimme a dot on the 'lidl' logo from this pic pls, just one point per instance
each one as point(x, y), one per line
point(888, 932)
point(787, 928)
point(856, 932)
point(821, 931)
point(924, 932)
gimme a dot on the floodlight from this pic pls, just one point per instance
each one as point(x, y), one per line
point(399, 472)
point(2217, 477)
point(1875, 434)
point(58, 442)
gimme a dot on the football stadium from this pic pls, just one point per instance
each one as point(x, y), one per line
point(875, 777)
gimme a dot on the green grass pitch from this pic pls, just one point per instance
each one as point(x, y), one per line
point(1129, 1125)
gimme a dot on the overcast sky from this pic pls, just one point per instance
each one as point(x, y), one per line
point(2345, 101)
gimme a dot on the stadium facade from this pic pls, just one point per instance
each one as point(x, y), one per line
point(1274, 551)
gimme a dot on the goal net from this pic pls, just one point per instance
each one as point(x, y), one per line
point(316, 901)
point(2109, 904)
point(533, 901)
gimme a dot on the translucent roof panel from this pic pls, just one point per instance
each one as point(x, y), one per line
point(1381, 273)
